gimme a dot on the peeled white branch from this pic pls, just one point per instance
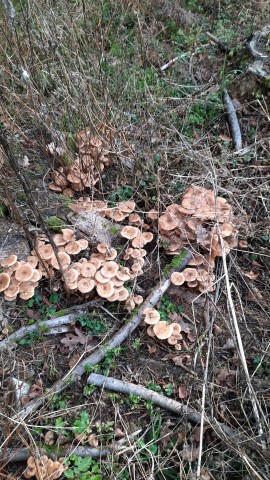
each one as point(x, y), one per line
point(233, 121)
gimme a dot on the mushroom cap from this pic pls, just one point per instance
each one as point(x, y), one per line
point(100, 279)
point(162, 330)
point(68, 234)
point(32, 260)
point(13, 288)
point(96, 262)
point(64, 259)
point(9, 299)
point(136, 267)
point(139, 242)
point(226, 230)
point(167, 222)
point(123, 274)
point(117, 215)
point(88, 269)
point(123, 295)
point(8, 261)
point(150, 331)
point(126, 206)
point(102, 247)
point(83, 243)
point(46, 251)
point(113, 297)
point(24, 272)
point(59, 239)
point(130, 232)
point(138, 299)
point(111, 254)
point(109, 269)
point(73, 247)
point(85, 285)
point(147, 236)
point(176, 328)
point(36, 275)
point(152, 316)
point(172, 340)
point(177, 278)
point(26, 290)
point(190, 274)
point(71, 275)
point(117, 282)
point(192, 284)
point(105, 290)
point(4, 281)
point(152, 214)
point(135, 218)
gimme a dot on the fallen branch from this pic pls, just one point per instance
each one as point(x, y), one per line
point(143, 392)
point(223, 46)
point(52, 323)
point(168, 64)
point(99, 354)
point(233, 121)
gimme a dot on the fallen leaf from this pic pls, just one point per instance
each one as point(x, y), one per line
point(93, 440)
point(118, 433)
point(191, 336)
point(70, 340)
point(190, 453)
point(72, 362)
point(49, 437)
point(182, 359)
point(195, 435)
point(229, 344)
point(243, 244)
point(251, 275)
point(225, 138)
point(182, 391)
point(152, 348)
point(226, 377)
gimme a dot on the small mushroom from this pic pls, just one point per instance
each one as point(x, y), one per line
point(150, 332)
point(4, 281)
point(46, 251)
point(68, 234)
point(177, 278)
point(162, 330)
point(64, 259)
point(88, 269)
point(152, 316)
point(123, 274)
point(24, 272)
point(130, 232)
point(73, 247)
point(86, 285)
point(123, 295)
point(8, 261)
point(109, 269)
point(26, 291)
point(100, 279)
point(152, 214)
point(83, 243)
point(190, 274)
point(105, 290)
point(71, 275)
point(59, 239)
point(138, 299)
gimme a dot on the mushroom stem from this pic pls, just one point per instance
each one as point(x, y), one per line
point(99, 354)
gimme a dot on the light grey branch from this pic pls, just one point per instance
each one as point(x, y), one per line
point(233, 121)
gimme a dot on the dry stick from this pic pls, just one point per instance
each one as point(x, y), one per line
point(27, 190)
point(233, 121)
point(51, 323)
point(98, 355)
point(223, 46)
point(164, 402)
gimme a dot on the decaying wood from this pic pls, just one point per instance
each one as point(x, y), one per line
point(97, 228)
point(12, 240)
point(99, 354)
point(233, 121)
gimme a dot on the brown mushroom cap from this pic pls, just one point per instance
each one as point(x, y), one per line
point(152, 316)
point(196, 260)
point(85, 285)
point(113, 297)
point(4, 281)
point(117, 282)
point(88, 269)
point(138, 299)
point(102, 247)
point(190, 274)
point(8, 261)
point(9, 299)
point(32, 260)
point(71, 275)
point(177, 278)
point(226, 230)
point(46, 251)
point(73, 247)
point(111, 254)
point(152, 214)
point(100, 279)
point(26, 290)
point(68, 234)
point(192, 284)
point(162, 330)
point(105, 290)
point(167, 222)
point(59, 239)
point(147, 236)
point(139, 242)
point(13, 288)
point(123, 295)
point(96, 262)
point(109, 269)
point(172, 340)
point(64, 259)
point(83, 243)
point(24, 272)
point(135, 219)
point(126, 206)
point(176, 328)
point(36, 275)
point(150, 331)
point(123, 274)
point(130, 232)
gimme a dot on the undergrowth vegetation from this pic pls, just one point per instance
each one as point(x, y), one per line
point(68, 66)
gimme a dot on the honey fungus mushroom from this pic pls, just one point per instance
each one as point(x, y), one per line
point(4, 281)
point(162, 330)
point(152, 316)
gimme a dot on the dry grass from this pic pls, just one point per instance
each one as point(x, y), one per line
point(67, 65)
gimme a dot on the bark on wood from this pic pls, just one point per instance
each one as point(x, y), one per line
point(97, 228)
point(233, 122)
point(12, 241)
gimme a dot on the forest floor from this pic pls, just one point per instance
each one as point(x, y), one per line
point(73, 65)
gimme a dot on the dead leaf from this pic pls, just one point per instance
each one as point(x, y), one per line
point(251, 275)
point(72, 362)
point(191, 336)
point(190, 453)
point(225, 138)
point(182, 391)
point(243, 244)
point(70, 340)
point(217, 330)
point(195, 435)
point(118, 433)
point(182, 359)
point(229, 344)
point(152, 348)
point(226, 377)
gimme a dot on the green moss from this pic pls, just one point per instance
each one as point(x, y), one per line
point(177, 259)
point(55, 223)
point(114, 230)
point(3, 210)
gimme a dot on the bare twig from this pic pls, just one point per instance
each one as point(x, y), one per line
point(168, 64)
point(223, 46)
point(99, 354)
point(233, 121)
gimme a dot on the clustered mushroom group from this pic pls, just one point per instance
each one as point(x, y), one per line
point(85, 171)
point(162, 330)
point(194, 223)
point(44, 468)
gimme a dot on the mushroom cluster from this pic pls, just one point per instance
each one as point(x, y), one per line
point(44, 468)
point(193, 222)
point(20, 278)
point(85, 170)
point(136, 253)
point(162, 330)
point(121, 210)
